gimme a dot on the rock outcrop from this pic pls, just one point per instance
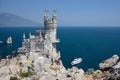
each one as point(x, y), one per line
point(111, 68)
point(24, 68)
point(109, 63)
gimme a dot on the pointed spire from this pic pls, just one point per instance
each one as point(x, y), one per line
point(54, 13)
point(30, 34)
point(46, 13)
point(40, 33)
point(23, 35)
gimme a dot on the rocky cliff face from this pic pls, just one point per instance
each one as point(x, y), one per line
point(23, 68)
point(109, 62)
point(111, 68)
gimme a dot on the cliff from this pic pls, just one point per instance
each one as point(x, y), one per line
point(23, 68)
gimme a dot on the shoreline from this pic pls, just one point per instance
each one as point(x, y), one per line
point(21, 63)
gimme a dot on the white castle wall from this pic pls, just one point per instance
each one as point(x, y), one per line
point(44, 41)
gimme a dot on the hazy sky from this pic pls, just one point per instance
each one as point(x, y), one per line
point(70, 12)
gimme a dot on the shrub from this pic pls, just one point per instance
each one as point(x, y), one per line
point(27, 74)
point(13, 78)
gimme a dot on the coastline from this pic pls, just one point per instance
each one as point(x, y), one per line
point(39, 59)
point(24, 68)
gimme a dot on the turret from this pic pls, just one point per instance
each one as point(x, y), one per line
point(32, 43)
point(29, 34)
point(50, 24)
point(23, 36)
point(54, 15)
point(54, 20)
point(45, 18)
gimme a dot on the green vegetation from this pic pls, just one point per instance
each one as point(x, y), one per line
point(13, 78)
point(26, 74)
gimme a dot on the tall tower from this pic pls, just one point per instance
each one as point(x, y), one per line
point(54, 19)
point(45, 19)
point(50, 25)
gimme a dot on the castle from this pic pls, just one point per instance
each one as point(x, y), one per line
point(44, 41)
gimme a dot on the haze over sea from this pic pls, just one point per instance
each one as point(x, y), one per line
point(92, 44)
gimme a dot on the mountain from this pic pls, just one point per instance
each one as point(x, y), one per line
point(7, 19)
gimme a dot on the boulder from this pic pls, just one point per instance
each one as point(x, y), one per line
point(98, 74)
point(33, 56)
point(26, 67)
point(47, 76)
point(76, 73)
point(41, 63)
point(109, 62)
point(89, 77)
point(22, 59)
point(117, 66)
point(25, 79)
point(5, 73)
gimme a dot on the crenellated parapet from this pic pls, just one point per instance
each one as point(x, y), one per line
point(50, 24)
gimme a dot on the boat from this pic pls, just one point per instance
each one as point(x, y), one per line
point(76, 61)
point(9, 40)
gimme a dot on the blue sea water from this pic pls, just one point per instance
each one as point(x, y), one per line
point(92, 44)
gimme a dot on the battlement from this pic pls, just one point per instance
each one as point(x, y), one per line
point(50, 24)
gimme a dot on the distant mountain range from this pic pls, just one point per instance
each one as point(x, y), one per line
point(7, 19)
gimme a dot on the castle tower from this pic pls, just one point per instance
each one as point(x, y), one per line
point(32, 43)
point(54, 19)
point(50, 25)
point(45, 19)
point(23, 41)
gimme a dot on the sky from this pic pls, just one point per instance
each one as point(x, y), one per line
point(69, 12)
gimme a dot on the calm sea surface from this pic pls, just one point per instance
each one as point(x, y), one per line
point(92, 44)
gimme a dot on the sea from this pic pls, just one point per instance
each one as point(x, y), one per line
point(92, 44)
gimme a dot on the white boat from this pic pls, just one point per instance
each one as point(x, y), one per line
point(76, 61)
point(9, 40)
